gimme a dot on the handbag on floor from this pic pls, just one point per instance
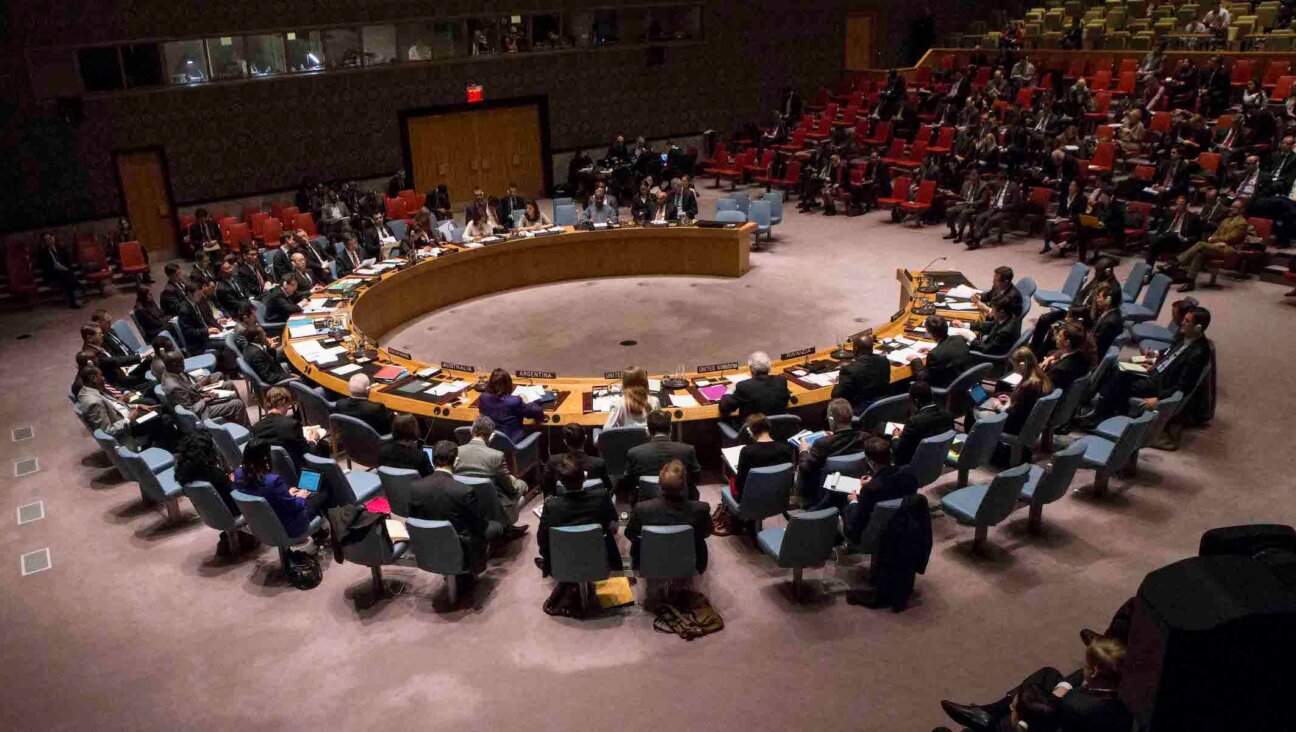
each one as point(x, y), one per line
point(303, 570)
point(722, 522)
point(689, 615)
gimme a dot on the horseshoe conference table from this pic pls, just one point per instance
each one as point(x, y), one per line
point(340, 333)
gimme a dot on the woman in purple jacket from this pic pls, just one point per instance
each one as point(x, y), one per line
point(508, 411)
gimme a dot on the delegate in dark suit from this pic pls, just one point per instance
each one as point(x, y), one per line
point(230, 295)
point(1177, 232)
point(810, 470)
point(594, 467)
point(648, 459)
point(281, 263)
point(764, 394)
point(264, 364)
point(56, 265)
point(666, 512)
point(995, 337)
point(932, 419)
point(574, 508)
point(889, 483)
point(114, 368)
point(251, 279)
point(194, 321)
point(282, 430)
point(1067, 368)
point(863, 381)
point(761, 455)
point(173, 295)
point(439, 497)
point(407, 455)
point(373, 414)
point(946, 361)
point(279, 306)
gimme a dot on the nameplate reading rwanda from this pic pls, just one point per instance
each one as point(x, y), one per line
point(521, 374)
point(717, 367)
point(797, 353)
point(452, 366)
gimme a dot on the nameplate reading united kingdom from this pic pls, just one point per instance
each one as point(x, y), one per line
point(535, 374)
point(398, 353)
point(717, 367)
point(452, 366)
point(797, 353)
point(611, 375)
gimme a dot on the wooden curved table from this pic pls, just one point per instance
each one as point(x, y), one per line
point(397, 297)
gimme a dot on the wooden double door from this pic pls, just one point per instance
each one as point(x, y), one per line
point(488, 147)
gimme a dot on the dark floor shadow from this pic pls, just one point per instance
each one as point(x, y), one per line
point(167, 527)
point(268, 578)
point(213, 565)
point(816, 593)
point(1123, 497)
point(97, 460)
point(108, 479)
point(130, 511)
point(368, 605)
point(992, 557)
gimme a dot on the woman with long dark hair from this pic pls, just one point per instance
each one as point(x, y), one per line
point(294, 506)
point(148, 315)
point(197, 459)
point(499, 403)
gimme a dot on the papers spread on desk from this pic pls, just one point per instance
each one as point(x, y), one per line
point(683, 399)
point(604, 400)
point(964, 333)
point(714, 392)
point(806, 435)
point(316, 307)
point(893, 428)
point(1132, 367)
point(350, 368)
point(730, 455)
point(957, 306)
point(221, 393)
point(313, 432)
point(429, 371)
point(654, 385)
point(529, 393)
point(735, 378)
point(962, 292)
point(827, 378)
point(448, 387)
point(1012, 379)
point(841, 483)
point(199, 373)
point(302, 330)
point(473, 245)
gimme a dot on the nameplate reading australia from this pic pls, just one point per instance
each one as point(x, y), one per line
point(717, 367)
point(398, 353)
point(452, 366)
point(798, 353)
point(611, 375)
point(536, 374)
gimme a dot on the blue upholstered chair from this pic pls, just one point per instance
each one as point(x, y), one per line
point(955, 395)
point(357, 439)
point(887, 409)
point(976, 447)
point(1000, 361)
point(765, 493)
point(1029, 434)
point(1149, 308)
point(214, 513)
point(726, 204)
point(349, 487)
point(374, 551)
point(742, 200)
point(1106, 457)
point(614, 443)
point(731, 217)
point(396, 483)
point(1046, 486)
point(315, 408)
point(271, 329)
point(281, 464)
point(1075, 279)
point(564, 215)
point(155, 487)
point(437, 549)
point(1027, 287)
point(1112, 427)
point(523, 457)
point(155, 458)
point(806, 542)
point(775, 199)
point(230, 439)
point(667, 552)
point(266, 527)
point(649, 487)
point(852, 465)
point(578, 554)
point(985, 505)
point(929, 458)
point(758, 213)
point(1133, 284)
point(782, 427)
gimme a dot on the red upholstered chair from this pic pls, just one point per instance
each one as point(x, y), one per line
point(1145, 173)
point(791, 177)
point(820, 101)
point(719, 153)
point(762, 166)
point(225, 223)
point(1272, 73)
point(1105, 133)
point(186, 221)
point(822, 129)
point(922, 77)
point(1137, 235)
point(276, 209)
point(237, 236)
point(1160, 123)
point(881, 135)
point(734, 174)
point(1129, 64)
point(18, 265)
point(899, 192)
point(944, 142)
point(1208, 163)
point(1024, 97)
point(914, 159)
point(289, 216)
point(895, 155)
point(720, 163)
point(257, 221)
point(1104, 158)
point(924, 134)
point(90, 258)
point(1075, 70)
point(1125, 85)
point(307, 222)
point(982, 77)
point(1242, 73)
point(922, 202)
point(855, 181)
point(1102, 108)
point(413, 202)
point(395, 209)
point(131, 258)
point(271, 231)
point(1282, 89)
point(796, 144)
point(1101, 80)
point(248, 212)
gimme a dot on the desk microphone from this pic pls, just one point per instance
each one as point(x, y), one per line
point(934, 261)
point(930, 287)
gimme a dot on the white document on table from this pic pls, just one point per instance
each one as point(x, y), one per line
point(350, 368)
point(683, 399)
point(304, 330)
point(735, 378)
point(962, 292)
point(957, 306)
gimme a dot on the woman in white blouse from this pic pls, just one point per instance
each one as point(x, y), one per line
point(533, 218)
point(635, 403)
point(478, 226)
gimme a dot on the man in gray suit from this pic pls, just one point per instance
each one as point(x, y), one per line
point(183, 390)
point(479, 459)
point(651, 456)
point(102, 411)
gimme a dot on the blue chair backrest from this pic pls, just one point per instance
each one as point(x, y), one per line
point(929, 458)
point(577, 553)
point(614, 443)
point(315, 409)
point(396, 484)
point(1053, 484)
point(360, 441)
point(560, 202)
point(726, 204)
point(981, 441)
point(776, 205)
point(138, 470)
point(766, 492)
point(1001, 496)
point(207, 502)
point(649, 487)
point(1133, 284)
point(261, 520)
point(1131, 438)
point(759, 213)
point(888, 409)
point(333, 478)
point(1026, 286)
point(667, 552)
point(1075, 278)
point(436, 546)
point(957, 393)
point(1107, 363)
point(225, 442)
point(463, 434)
point(851, 465)
point(338, 248)
point(1166, 409)
point(108, 444)
point(173, 327)
point(516, 218)
point(1156, 293)
point(186, 420)
point(565, 215)
point(127, 335)
point(731, 217)
point(374, 550)
point(743, 200)
point(1066, 408)
point(398, 228)
point(267, 256)
point(282, 464)
point(260, 312)
point(882, 513)
point(809, 539)
point(1038, 418)
point(160, 394)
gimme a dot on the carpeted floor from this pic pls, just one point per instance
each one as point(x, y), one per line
point(140, 627)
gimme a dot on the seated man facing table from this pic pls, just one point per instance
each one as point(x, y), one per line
point(281, 302)
point(762, 452)
point(478, 459)
point(763, 393)
point(928, 420)
point(602, 208)
point(574, 506)
point(573, 438)
point(649, 457)
point(358, 405)
point(996, 336)
point(672, 508)
point(865, 379)
point(134, 425)
point(885, 481)
point(210, 397)
point(841, 438)
point(946, 360)
point(439, 497)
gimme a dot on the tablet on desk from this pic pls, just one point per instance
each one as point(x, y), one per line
point(978, 394)
point(309, 481)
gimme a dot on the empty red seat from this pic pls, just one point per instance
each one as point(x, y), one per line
point(131, 257)
point(90, 257)
point(944, 142)
point(922, 200)
point(1104, 158)
point(761, 166)
point(915, 157)
point(791, 178)
point(395, 208)
point(288, 216)
point(256, 222)
point(413, 202)
point(237, 236)
point(1242, 73)
point(271, 231)
point(899, 192)
point(895, 154)
point(797, 143)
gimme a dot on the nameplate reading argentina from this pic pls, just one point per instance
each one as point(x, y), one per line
point(522, 374)
point(717, 367)
point(452, 366)
point(797, 353)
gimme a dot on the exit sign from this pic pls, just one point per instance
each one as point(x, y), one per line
point(474, 93)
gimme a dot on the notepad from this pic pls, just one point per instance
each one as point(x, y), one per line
point(893, 428)
point(683, 399)
point(841, 483)
point(529, 394)
point(412, 387)
point(958, 306)
point(1132, 367)
point(714, 392)
point(731, 455)
point(807, 435)
point(389, 373)
point(429, 371)
point(350, 368)
point(222, 393)
point(962, 292)
point(313, 432)
point(145, 417)
point(1012, 379)
point(305, 330)
point(735, 378)
point(396, 530)
point(654, 385)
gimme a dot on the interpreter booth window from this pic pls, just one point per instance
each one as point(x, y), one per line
point(546, 33)
point(142, 65)
point(484, 37)
point(589, 29)
point(100, 68)
point(428, 41)
point(632, 24)
point(514, 36)
point(305, 51)
point(674, 23)
point(228, 57)
point(186, 62)
point(265, 55)
point(342, 48)
point(379, 43)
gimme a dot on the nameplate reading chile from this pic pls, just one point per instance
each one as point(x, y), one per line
point(535, 374)
point(452, 366)
point(717, 367)
point(797, 353)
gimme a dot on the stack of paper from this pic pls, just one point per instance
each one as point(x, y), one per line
point(841, 483)
point(962, 292)
point(731, 456)
point(957, 306)
point(528, 393)
point(604, 403)
point(1012, 379)
point(654, 385)
point(448, 387)
point(828, 378)
point(964, 333)
point(683, 399)
point(301, 330)
point(735, 378)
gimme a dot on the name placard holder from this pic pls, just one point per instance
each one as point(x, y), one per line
point(524, 374)
point(709, 368)
point(399, 354)
point(452, 366)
